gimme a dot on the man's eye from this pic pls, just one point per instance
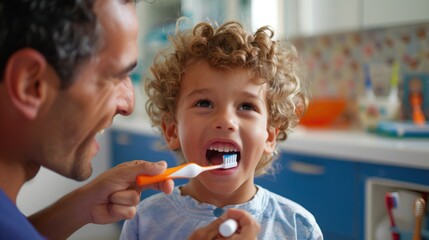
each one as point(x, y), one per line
point(247, 107)
point(204, 104)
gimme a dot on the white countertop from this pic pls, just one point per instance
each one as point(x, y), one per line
point(360, 146)
point(339, 144)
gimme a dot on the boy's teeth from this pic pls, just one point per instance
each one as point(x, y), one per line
point(223, 148)
point(101, 131)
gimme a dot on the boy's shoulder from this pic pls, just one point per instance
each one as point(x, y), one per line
point(279, 204)
point(285, 212)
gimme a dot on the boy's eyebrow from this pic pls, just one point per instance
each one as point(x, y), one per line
point(250, 95)
point(256, 97)
point(244, 94)
point(197, 92)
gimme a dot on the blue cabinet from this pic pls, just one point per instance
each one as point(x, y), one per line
point(409, 175)
point(128, 146)
point(325, 187)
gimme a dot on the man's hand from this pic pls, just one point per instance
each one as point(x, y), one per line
point(113, 195)
point(110, 197)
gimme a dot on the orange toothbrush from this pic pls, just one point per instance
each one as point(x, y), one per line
point(187, 170)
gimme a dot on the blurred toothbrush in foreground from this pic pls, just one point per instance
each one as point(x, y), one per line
point(392, 201)
point(419, 211)
point(187, 170)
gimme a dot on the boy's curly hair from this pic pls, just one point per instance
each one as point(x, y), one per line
point(226, 47)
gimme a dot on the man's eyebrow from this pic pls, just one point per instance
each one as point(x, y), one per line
point(136, 1)
point(127, 70)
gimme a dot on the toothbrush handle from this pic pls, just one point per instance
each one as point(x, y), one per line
point(419, 212)
point(146, 179)
point(417, 229)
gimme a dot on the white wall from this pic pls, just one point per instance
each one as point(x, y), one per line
point(378, 13)
point(328, 16)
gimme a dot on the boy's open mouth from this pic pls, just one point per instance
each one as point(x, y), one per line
point(215, 153)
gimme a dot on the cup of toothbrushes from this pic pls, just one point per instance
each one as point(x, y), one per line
point(376, 109)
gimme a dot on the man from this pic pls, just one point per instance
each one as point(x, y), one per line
point(65, 67)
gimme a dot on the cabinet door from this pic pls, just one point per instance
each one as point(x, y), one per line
point(325, 187)
point(127, 146)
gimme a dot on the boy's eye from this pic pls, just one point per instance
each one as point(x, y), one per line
point(204, 104)
point(247, 107)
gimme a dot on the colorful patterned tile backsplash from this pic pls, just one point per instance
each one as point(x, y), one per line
point(337, 61)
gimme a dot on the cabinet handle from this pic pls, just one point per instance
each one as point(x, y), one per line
point(123, 139)
point(305, 168)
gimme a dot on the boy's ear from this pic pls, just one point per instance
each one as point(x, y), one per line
point(23, 77)
point(169, 128)
point(270, 143)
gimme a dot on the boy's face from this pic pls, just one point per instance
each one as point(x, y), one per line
point(222, 111)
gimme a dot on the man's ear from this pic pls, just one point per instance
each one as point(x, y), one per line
point(23, 77)
point(270, 142)
point(169, 128)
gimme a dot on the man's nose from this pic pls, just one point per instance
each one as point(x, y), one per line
point(126, 99)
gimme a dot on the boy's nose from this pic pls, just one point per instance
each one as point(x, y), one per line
point(225, 121)
point(126, 100)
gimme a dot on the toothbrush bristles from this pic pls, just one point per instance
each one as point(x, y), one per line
point(229, 161)
point(419, 206)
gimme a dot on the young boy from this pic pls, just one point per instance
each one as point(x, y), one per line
point(223, 90)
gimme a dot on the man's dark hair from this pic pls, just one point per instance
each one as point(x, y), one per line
point(66, 32)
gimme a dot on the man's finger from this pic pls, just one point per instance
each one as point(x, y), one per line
point(123, 212)
point(140, 167)
point(129, 197)
point(248, 227)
